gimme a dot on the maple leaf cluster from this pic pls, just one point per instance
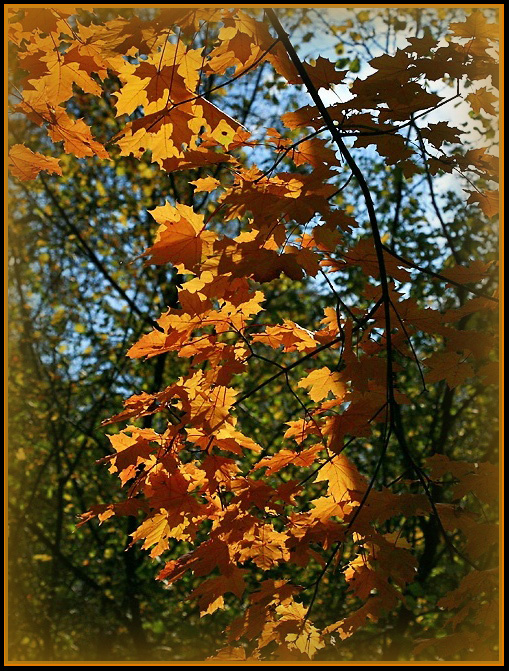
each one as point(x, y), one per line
point(190, 480)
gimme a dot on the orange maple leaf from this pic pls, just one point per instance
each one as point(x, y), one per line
point(210, 592)
point(25, 164)
point(488, 201)
point(181, 238)
point(288, 457)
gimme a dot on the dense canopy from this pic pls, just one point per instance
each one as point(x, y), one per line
point(287, 220)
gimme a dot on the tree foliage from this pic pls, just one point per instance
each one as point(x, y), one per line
point(314, 473)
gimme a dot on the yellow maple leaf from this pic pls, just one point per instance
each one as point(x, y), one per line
point(322, 381)
point(343, 478)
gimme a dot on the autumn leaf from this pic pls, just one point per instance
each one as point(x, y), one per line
point(487, 200)
point(321, 382)
point(131, 451)
point(393, 147)
point(210, 593)
point(265, 547)
point(25, 164)
point(292, 336)
point(324, 74)
point(475, 26)
point(58, 84)
point(181, 238)
point(44, 20)
point(482, 99)
point(207, 184)
point(474, 272)
point(439, 133)
point(229, 654)
point(448, 366)
point(371, 610)
point(307, 642)
point(343, 478)
point(75, 135)
point(156, 531)
point(285, 458)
